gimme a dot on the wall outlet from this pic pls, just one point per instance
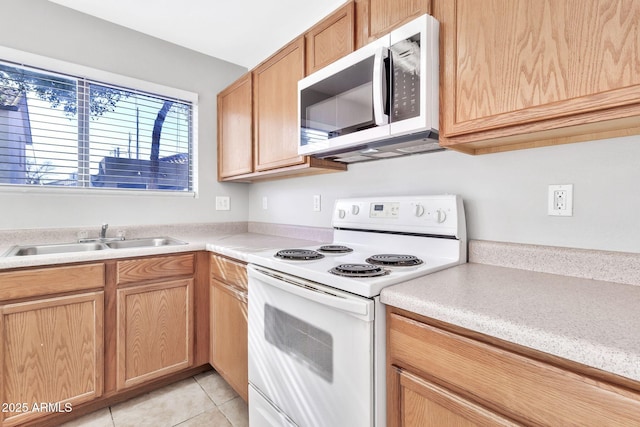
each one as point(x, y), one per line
point(317, 203)
point(265, 203)
point(223, 203)
point(560, 200)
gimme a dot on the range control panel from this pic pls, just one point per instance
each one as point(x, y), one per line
point(438, 215)
point(384, 210)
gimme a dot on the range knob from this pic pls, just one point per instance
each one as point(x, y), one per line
point(341, 213)
point(419, 210)
point(355, 209)
point(441, 216)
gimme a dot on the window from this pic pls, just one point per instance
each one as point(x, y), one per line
point(62, 130)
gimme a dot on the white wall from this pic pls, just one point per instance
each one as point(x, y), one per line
point(505, 194)
point(44, 28)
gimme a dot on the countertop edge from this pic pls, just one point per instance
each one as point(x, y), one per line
point(426, 296)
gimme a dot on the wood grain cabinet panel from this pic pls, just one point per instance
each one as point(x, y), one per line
point(275, 94)
point(51, 353)
point(155, 331)
point(229, 323)
point(522, 73)
point(46, 281)
point(229, 271)
point(330, 39)
point(229, 354)
point(425, 404)
point(235, 129)
point(511, 385)
point(153, 268)
point(376, 18)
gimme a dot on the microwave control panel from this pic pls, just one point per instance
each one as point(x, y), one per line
point(405, 77)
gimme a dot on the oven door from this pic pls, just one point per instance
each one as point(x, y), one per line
point(310, 352)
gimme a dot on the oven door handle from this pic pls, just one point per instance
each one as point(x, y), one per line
point(308, 291)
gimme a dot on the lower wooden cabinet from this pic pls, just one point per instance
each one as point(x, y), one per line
point(155, 331)
point(442, 377)
point(229, 333)
point(51, 355)
point(422, 403)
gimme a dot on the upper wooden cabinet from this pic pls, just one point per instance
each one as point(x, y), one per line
point(375, 18)
point(275, 92)
point(235, 129)
point(524, 73)
point(331, 39)
point(258, 114)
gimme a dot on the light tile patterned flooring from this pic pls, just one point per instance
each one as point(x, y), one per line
point(203, 400)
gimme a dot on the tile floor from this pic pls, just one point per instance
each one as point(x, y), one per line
point(203, 400)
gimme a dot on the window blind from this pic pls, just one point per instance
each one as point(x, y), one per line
point(70, 131)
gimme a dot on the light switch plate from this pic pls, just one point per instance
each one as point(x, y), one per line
point(223, 203)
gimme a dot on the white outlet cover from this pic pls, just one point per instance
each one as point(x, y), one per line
point(223, 203)
point(568, 210)
point(317, 203)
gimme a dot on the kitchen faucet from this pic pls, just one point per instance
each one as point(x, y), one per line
point(103, 231)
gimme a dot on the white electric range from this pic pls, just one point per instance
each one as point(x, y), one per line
point(316, 324)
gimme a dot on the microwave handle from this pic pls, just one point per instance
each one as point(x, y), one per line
point(380, 86)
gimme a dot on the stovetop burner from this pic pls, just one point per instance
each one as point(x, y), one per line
point(394, 260)
point(298, 254)
point(335, 249)
point(358, 270)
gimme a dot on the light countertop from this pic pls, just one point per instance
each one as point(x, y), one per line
point(233, 244)
point(592, 322)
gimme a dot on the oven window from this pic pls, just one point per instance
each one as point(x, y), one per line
point(304, 342)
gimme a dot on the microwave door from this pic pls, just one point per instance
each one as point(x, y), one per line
point(414, 77)
point(342, 104)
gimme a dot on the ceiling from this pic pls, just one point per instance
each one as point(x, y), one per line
point(240, 31)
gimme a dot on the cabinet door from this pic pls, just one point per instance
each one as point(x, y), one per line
point(330, 39)
point(420, 403)
point(51, 354)
point(521, 388)
point(155, 331)
point(229, 335)
point(384, 15)
point(515, 67)
point(276, 108)
point(235, 130)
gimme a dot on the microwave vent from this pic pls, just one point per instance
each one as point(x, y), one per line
point(418, 143)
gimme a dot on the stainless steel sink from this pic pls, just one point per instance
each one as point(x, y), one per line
point(97, 245)
point(55, 249)
point(147, 242)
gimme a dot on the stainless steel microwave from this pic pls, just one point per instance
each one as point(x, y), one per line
point(380, 101)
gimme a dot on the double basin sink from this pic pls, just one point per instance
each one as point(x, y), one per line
point(94, 245)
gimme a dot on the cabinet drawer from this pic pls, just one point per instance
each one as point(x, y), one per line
point(524, 389)
point(138, 270)
point(229, 271)
point(45, 281)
